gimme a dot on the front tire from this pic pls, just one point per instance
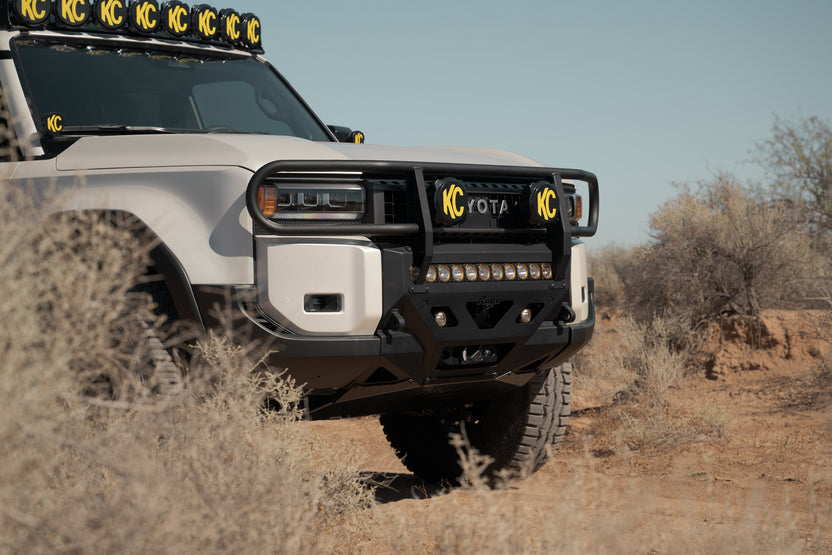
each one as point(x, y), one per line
point(517, 431)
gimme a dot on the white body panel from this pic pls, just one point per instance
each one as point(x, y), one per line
point(189, 189)
point(290, 269)
point(578, 283)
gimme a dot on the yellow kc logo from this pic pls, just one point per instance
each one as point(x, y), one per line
point(69, 11)
point(108, 14)
point(34, 10)
point(176, 23)
point(547, 204)
point(54, 123)
point(146, 16)
point(451, 205)
point(207, 23)
point(253, 31)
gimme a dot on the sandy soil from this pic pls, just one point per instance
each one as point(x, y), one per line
point(770, 472)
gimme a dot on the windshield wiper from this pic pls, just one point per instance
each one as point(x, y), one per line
point(114, 129)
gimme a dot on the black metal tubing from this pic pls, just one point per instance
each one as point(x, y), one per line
point(414, 171)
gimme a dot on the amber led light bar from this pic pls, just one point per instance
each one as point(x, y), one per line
point(510, 271)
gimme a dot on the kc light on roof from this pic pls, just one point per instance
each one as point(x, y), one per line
point(142, 17)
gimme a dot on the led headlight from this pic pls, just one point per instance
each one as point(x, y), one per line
point(430, 277)
point(321, 202)
point(511, 272)
point(522, 271)
point(457, 272)
point(546, 271)
point(484, 271)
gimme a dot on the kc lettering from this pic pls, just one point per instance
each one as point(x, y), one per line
point(207, 23)
point(232, 22)
point(29, 9)
point(108, 15)
point(544, 208)
point(69, 11)
point(144, 19)
point(175, 22)
point(253, 31)
point(450, 204)
point(54, 123)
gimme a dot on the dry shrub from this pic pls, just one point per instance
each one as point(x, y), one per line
point(718, 248)
point(204, 469)
point(607, 266)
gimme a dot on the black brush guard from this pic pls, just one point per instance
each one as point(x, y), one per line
point(557, 235)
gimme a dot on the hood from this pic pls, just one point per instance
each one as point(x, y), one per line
point(254, 151)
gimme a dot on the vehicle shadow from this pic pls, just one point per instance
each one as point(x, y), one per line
point(392, 487)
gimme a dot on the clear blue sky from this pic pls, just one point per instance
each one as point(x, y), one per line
point(644, 94)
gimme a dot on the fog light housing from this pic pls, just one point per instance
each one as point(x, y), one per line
point(525, 316)
point(441, 319)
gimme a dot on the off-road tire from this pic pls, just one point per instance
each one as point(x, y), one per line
point(518, 431)
point(159, 370)
point(149, 311)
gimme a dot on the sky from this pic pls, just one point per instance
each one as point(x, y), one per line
point(643, 94)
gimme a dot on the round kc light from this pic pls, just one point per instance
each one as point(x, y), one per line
point(484, 271)
point(431, 275)
point(497, 272)
point(444, 273)
point(525, 316)
point(534, 271)
point(470, 272)
point(546, 271)
point(522, 271)
point(511, 272)
point(457, 272)
point(441, 319)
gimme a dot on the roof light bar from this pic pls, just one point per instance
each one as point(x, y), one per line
point(143, 17)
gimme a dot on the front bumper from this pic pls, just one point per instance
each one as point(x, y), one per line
point(418, 367)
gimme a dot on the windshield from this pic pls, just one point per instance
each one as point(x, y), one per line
point(98, 86)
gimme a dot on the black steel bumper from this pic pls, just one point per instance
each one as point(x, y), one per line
point(421, 366)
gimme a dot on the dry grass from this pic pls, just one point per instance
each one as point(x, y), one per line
point(204, 470)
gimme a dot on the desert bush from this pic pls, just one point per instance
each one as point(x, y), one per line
point(799, 158)
point(608, 266)
point(719, 248)
point(202, 469)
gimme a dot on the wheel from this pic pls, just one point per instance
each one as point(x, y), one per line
point(517, 431)
point(142, 354)
point(155, 363)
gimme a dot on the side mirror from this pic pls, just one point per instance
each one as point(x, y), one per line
point(346, 135)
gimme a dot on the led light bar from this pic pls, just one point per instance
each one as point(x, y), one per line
point(143, 17)
point(510, 271)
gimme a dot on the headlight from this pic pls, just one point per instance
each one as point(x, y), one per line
point(341, 202)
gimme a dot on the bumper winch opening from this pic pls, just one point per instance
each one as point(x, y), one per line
point(471, 356)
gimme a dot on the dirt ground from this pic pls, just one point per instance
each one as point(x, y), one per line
point(764, 483)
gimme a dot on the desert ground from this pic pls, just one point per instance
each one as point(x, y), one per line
point(758, 477)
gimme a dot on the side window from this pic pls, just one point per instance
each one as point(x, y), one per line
point(233, 105)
